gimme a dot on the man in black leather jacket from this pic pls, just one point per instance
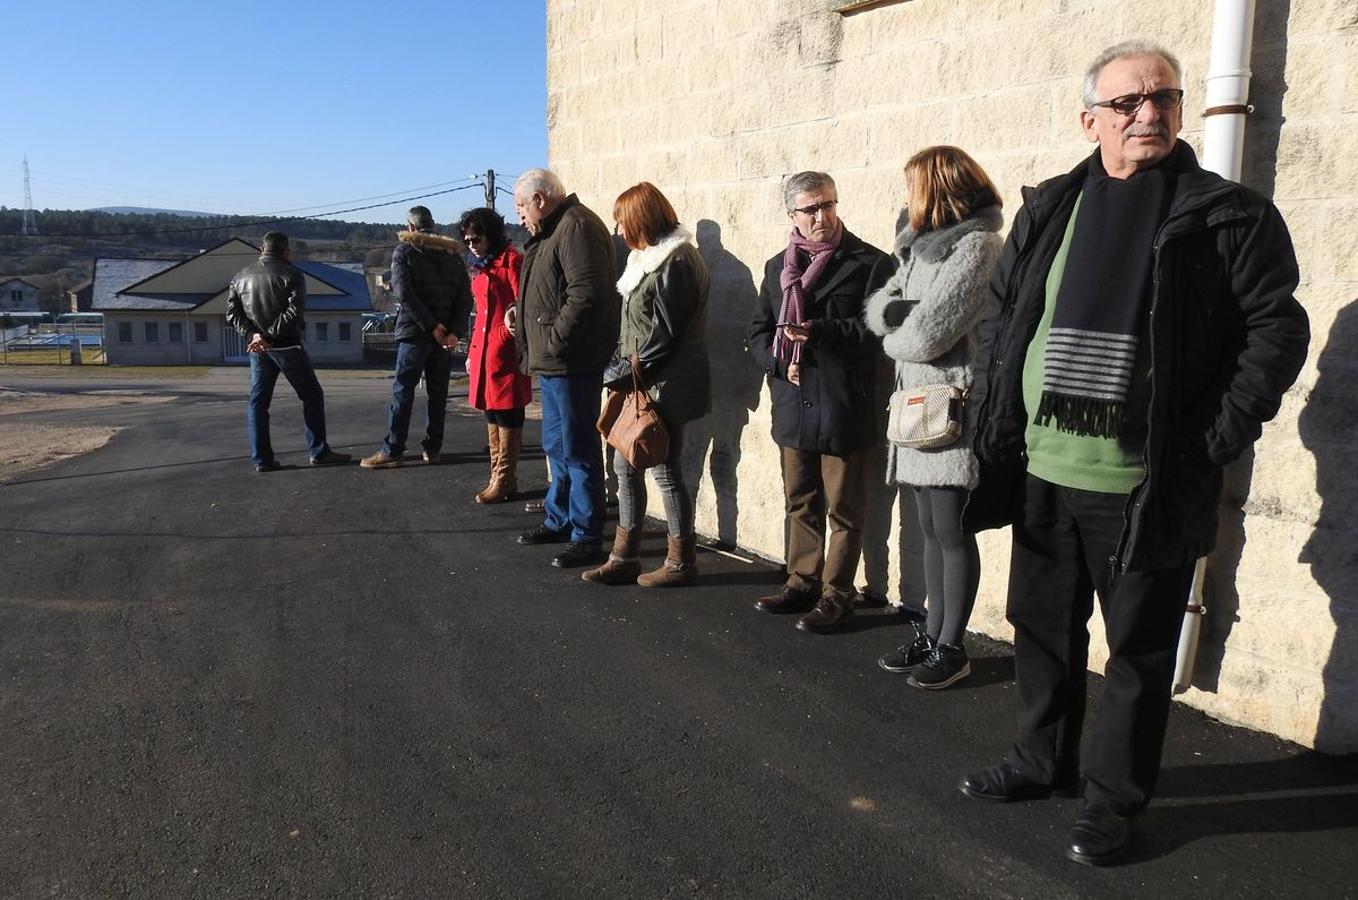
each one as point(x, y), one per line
point(429, 281)
point(1146, 329)
point(265, 303)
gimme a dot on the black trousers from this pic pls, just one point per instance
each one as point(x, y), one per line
point(1062, 556)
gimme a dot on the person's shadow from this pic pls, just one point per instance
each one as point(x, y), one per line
point(1326, 426)
point(715, 438)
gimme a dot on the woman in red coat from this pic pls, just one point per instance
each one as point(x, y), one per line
point(495, 383)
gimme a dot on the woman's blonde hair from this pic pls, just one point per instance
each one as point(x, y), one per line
point(946, 185)
point(644, 215)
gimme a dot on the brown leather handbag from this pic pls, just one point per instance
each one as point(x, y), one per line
point(631, 424)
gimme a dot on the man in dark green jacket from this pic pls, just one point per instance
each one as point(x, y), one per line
point(566, 325)
point(1146, 330)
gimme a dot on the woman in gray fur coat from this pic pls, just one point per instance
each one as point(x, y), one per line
point(928, 316)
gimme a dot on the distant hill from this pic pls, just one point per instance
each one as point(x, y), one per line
point(150, 211)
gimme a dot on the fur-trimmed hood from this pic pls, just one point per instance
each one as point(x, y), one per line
point(933, 246)
point(641, 263)
point(427, 240)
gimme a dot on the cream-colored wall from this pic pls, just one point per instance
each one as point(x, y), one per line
point(716, 102)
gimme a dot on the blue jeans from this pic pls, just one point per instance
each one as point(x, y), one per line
point(570, 409)
point(295, 365)
point(413, 360)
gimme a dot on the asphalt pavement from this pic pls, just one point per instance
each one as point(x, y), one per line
point(339, 682)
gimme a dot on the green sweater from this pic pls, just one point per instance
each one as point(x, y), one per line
point(1103, 465)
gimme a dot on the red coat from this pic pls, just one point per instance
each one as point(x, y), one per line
point(495, 381)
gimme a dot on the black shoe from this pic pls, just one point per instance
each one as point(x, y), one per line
point(943, 665)
point(1006, 784)
point(270, 466)
point(544, 535)
point(788, 600)
point(331, 458)
point(1100, 836)
point(580, 553)
point(907, 657)
point(829, 615)
point(870, 599)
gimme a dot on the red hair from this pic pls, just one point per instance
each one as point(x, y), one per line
point(644, 215)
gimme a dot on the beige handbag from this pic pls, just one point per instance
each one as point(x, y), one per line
point(926, 417)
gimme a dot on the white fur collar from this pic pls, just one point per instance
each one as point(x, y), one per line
point(641, 263)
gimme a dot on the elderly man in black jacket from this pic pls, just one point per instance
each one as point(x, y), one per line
point(809, 335)
point(566, 325)
point(266, 303)
point(1146, 330)
point(429, 281)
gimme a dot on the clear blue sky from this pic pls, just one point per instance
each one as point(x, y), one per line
point(254, 107)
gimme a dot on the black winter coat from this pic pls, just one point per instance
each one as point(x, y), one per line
point(835, 409)
point(430, 282)
point(1227, 339)
point(568, 306)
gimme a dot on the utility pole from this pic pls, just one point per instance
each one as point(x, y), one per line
point(30, 226)
point(490, 188)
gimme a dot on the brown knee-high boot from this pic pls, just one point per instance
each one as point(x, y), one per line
point(624, 562)
point(507, 466)
point(494, 439)
point(680, 568)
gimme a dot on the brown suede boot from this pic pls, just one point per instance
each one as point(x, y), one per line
point(511, 443)
point(680, 568)
point(624, 562)
point(493, 448)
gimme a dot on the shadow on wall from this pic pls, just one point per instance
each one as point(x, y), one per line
point(1326, 426)
point(735, 381)
point(889, 504)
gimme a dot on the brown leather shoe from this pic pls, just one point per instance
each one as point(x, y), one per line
point(828, 616)
point(680, 568)
point(380, 460)
point(787, 601)
point(624, 562)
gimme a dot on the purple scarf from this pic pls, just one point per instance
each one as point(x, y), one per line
point(803, 264)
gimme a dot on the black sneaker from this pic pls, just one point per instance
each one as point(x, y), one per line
point(580, 553)
point(907, 657)
point(944, 665)
point(270, 466)
point(544, 535)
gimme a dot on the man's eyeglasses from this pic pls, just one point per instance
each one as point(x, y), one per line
point(1128, 104)
point(810, 211)
point(471, 239)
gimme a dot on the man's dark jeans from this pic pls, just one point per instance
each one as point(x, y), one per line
point(1062, 552)
point(416, 359)
point(295, 366)
point(570, 440)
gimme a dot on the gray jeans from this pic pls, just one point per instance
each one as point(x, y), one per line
point(668, 477)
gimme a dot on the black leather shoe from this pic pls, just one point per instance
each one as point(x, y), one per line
point(544, 535)
point(1006, 784)
point(1100, 836)
point(331, 458)
point(271, 466)
point(580, 553)
point(828, 616)
point(788, 600)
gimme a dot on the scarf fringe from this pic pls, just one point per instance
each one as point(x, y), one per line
point(1083, 416)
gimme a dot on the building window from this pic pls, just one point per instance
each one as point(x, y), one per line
point(346, 332)
point(176, 332)
point(124, 332)
point(200, 332)
point(153, 332)
point(16, 297)
point(323, 332)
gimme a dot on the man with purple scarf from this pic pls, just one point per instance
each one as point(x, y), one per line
point(808, 334)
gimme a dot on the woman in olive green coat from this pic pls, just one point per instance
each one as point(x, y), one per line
point(664, 322)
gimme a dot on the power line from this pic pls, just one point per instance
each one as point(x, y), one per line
point(229, 225)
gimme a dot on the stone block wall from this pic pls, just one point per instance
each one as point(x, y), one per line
point(717, 102)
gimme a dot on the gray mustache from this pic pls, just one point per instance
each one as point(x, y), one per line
point(1137, 130)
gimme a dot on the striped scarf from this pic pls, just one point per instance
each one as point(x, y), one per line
point(804, 262)
point(1094, 351)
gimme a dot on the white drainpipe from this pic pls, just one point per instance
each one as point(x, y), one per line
point(1223, 143)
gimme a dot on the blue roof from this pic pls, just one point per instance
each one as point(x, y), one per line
point(111, 276)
